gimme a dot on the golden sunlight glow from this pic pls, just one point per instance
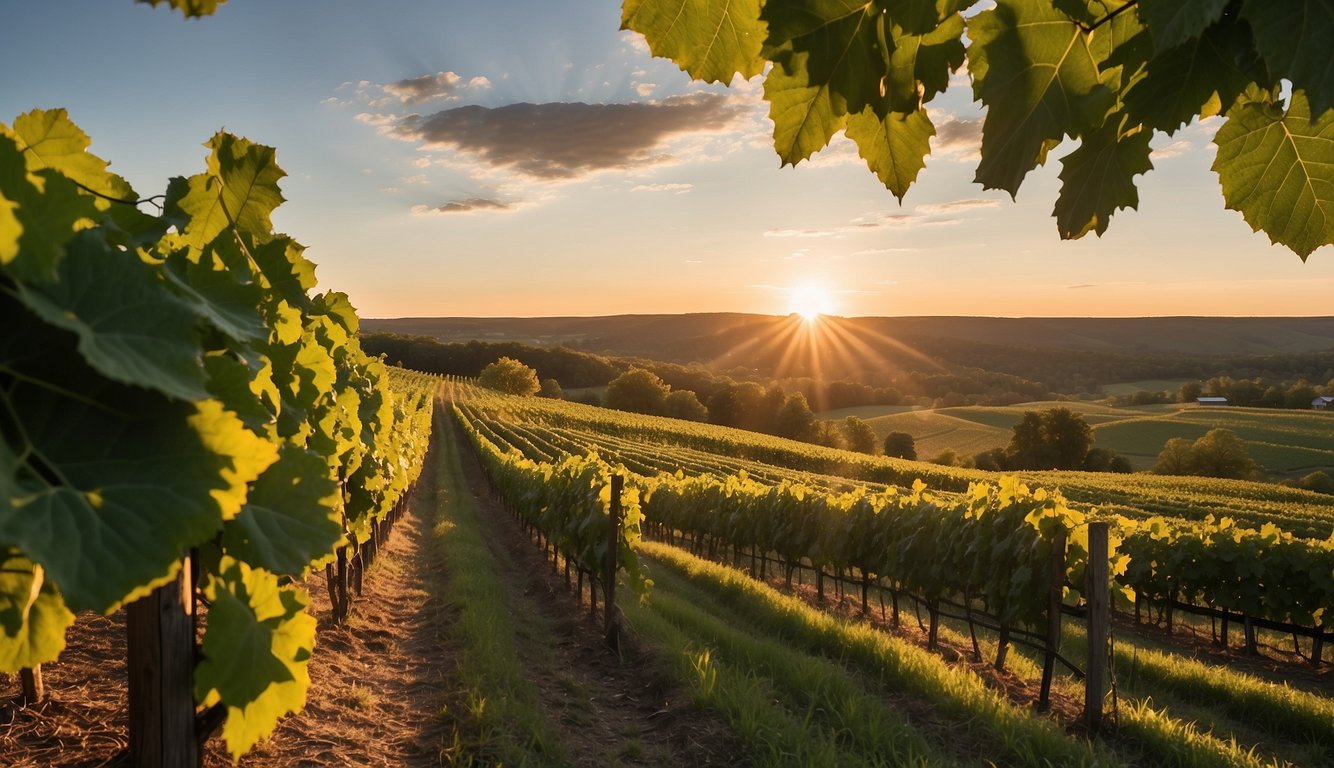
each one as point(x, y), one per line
point(810, 300)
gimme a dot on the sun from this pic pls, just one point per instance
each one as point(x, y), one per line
point(810, 301)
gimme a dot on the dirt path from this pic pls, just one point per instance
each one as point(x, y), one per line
point(377, 682)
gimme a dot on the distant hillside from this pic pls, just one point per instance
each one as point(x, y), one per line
point(677, 334)
point(1068, 355)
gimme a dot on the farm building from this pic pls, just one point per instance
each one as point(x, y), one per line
point(1211, 401)
point(1322, 403)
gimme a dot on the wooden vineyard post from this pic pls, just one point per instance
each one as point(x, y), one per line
point(1055, 596)
point(160, 630)
point(30, 685)
point(609, 623)
point(1099, 625)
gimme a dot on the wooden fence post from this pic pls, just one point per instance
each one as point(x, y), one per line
point(1055, 596)
point(609, 623)
point(160, 631)
point(30, 684)
point(1099, 624)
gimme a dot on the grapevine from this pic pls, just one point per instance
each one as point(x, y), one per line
point(169, 384)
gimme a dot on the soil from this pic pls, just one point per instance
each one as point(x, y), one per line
point(384, 685)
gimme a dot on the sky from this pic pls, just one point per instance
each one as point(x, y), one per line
point(517, 158)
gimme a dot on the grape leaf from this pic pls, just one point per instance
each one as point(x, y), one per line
point(894, 147)
point(921, 17)
point(189, 8)
point(920, 66)
point(787, 20)
point(285, 269)
point(47, 209)
point(338, 307)
point(1097, 179)
point(10, 230)
point(1295, 37)
point(233, 383)
point(255, 651)
point(129, 328)
point(108, 496)
point(1034, 71)
point(217, 295)
point(1173, 22)
point(819, 79)
point(290, 517)
point(1200, 77)
point(240, 190)
point(49, 139)
point(1274, 168)
point(712, 40)
point(33, 617)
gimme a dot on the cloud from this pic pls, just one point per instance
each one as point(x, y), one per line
point(897, 221)
point(958, 138)
point(413, 90)
point(866, 224)
point(800, 232)
point(679, 189)
point(958, 205)
point(883, 251)
point(646, 89)
point(384, 122)
point(1081, 285)
point(563, 140)
point(467, 205)
point(1175, 149)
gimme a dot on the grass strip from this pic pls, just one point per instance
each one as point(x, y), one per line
point(1273, 709)
point(836, 703)
point(501, 704)
point(1020, 738)
point(1167, 741)
point(747, 703)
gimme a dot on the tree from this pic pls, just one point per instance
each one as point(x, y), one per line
point(993, 460)
point(1109, 75)
point(946, 458)
point(509, 376)
point(1244, 392)
point(1175, 457)
point(1300, 395)
point(1318, 481)
point(858, 435)
point(1220, 453)
point(740, 405)
point(1191, 391)
point(724, 409)
point(1106, 460)
point(1055, 439)
point(636, 390)
point(828, 434)
point(795, 419)
point(683, 404)
point(901, 445)
point(550, 388)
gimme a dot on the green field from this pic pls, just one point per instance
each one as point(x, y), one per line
point(1285, 442)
